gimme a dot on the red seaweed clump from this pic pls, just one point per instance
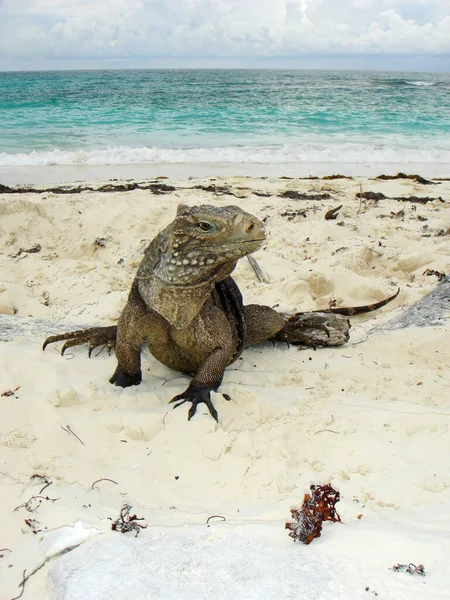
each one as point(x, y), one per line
point(317, 507)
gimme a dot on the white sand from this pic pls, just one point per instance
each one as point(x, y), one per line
point(371, 417)
point(52, 174)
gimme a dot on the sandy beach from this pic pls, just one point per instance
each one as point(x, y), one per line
point(370, 417)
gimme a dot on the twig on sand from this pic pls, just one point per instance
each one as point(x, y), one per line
point(29, 503)
point(45, 487)
point(215, 517)
point(330, 430)
point(332, 213)
point(360, 199)
point(103, 479)
point(44, 479)
point(259, 272)
point(69, 430)
point(25, 577)
point(22, 585)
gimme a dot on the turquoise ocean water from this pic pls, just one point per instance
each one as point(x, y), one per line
point(223, 116)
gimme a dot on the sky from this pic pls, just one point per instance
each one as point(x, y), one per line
point(83, 34)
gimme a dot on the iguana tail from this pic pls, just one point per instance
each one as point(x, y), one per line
point(323, 327)
point(359, 310)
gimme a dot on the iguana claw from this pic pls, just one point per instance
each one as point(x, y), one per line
point(94, 337)
point(123, 379)
point(196, 394)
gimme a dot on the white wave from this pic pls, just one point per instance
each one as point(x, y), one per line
point(425, 83)
point(326, 152)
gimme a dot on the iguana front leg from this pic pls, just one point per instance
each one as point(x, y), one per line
point(206, 380)
point(130, 337)
point(205, 348)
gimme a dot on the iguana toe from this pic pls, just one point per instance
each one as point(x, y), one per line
point(196, 394)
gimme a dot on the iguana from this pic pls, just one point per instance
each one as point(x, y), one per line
point(189, 310)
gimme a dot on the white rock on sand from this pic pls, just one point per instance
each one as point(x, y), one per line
point(371, 417)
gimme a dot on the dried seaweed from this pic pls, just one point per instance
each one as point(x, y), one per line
point(155, 187)
point(442, 232)
point(126, 522)
point(317, 507)
point(9, 393)
point(412, 569)
point(34, 503)
point(33, 525)
point(439, 274)
point(291, 214)
point(294, 195)
point(417, 199)
point(100, 242)
point(371, 196)
point(341, 249)
point(261, 193)
point(218, 190)
point(33, 250)
point(415, 177)
point(394, 215)
point(376, 196)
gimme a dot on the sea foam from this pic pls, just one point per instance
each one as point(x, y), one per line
point(419, 83)
point(352, 153)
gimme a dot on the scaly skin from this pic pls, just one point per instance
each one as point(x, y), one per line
point(186, 307)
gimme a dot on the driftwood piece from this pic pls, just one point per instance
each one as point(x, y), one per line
point(332, 213)
point(259, 272)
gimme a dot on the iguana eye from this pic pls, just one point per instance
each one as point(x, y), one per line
point(204, 226)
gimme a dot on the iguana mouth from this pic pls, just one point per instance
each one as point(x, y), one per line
point(239, 243)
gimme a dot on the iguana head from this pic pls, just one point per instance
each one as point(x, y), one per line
point(205, 242)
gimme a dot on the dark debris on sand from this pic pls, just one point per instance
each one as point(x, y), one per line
point(414, 177)
point(155, 188)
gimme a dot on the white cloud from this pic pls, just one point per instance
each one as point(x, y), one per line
point(122, 29)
